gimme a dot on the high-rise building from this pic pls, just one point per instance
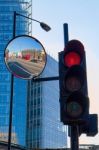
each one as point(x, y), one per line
point(44, 129)
point(23, 26)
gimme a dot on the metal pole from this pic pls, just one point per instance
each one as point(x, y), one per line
point(73, 129)
point(12, 79)
point(14, 24)
point(11, 93)
point(27, 17)
point(66, 37)
point(45, 79)
point(74, 137)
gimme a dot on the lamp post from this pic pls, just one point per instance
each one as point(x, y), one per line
point(45, 27)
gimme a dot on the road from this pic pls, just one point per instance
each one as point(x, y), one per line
point(25, 69)
point(18, 70)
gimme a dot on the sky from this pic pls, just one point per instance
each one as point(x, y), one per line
point(22, 43)
point(83, 24)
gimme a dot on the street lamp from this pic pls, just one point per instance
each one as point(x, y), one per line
point(46, 28)
point(43, 25)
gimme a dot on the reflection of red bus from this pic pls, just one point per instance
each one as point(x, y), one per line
point(27, 57)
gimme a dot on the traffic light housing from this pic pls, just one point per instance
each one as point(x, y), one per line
point(90, 128)
point(74, 102)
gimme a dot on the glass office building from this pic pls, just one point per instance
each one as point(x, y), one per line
point(44, 129)
point(23, 26)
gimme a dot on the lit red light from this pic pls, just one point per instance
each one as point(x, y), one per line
point(72, 58)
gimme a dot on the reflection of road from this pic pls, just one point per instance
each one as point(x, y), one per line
point(25, 68)
point(18, 70)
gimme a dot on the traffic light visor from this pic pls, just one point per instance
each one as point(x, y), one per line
point(73, 53)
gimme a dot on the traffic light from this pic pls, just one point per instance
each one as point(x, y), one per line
point(74, 102)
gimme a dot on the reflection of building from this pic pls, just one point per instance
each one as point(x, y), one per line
point(12, 54)
point(43, 55)
point(44, 129)
point(19, 111)
point(34, 54)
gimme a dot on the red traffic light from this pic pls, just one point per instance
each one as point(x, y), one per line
point(72, 58)
point(73, 55)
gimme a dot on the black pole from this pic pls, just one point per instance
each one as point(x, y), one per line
point(45, 79)
point(74, 138)
point(73, 129)
point(66, 37)
point(11, 93)
point(14, 24)
point(27, 17)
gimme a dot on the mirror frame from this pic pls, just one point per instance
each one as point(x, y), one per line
point(32, 77)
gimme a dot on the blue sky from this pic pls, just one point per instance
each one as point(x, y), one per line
point(83, 22)
point(22, 43)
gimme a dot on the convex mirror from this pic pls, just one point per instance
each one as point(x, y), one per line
point(25, 57)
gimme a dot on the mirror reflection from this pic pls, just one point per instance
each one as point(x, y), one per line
point(25, 57)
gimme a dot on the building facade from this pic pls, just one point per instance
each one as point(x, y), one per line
point(23, 26)
point(44, 129)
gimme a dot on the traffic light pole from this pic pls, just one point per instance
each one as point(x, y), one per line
point(74, 137)
point(74, 129)
point(66, 37)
